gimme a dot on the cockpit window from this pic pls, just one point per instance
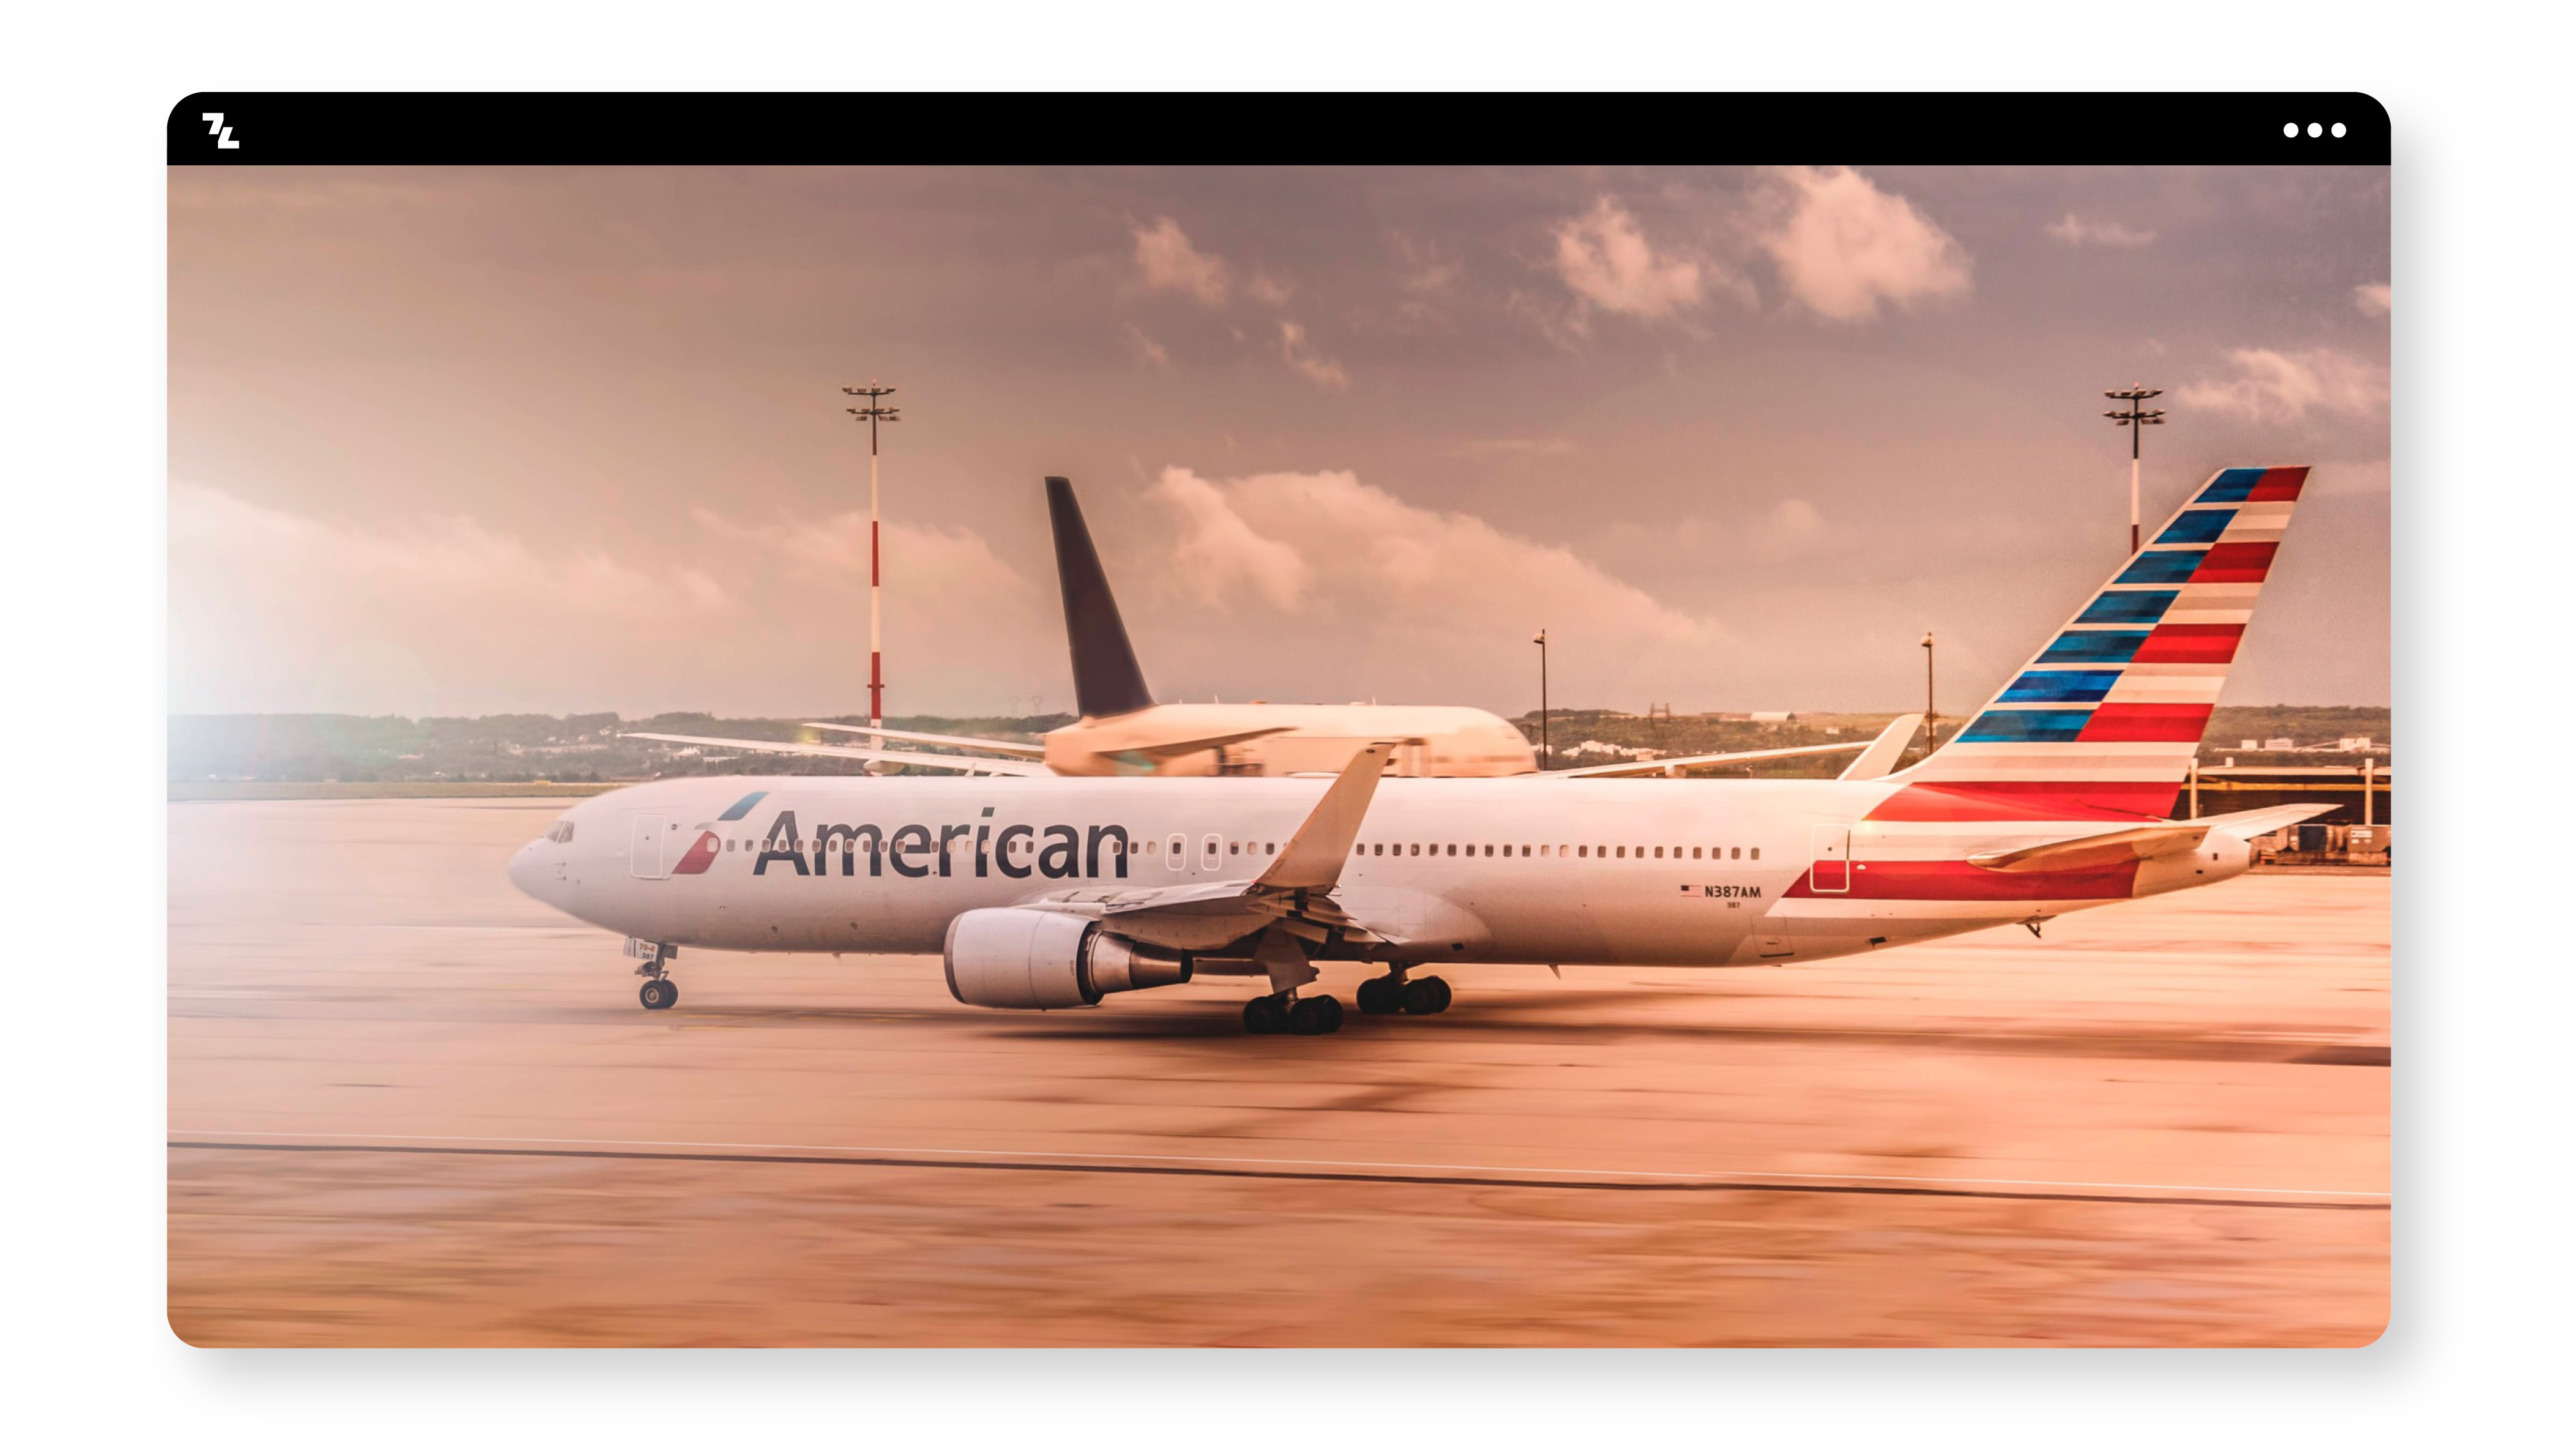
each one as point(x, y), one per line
point(561, 833)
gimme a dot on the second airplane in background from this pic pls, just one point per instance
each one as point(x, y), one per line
point(1123, 730)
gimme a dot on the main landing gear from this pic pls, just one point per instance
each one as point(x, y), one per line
point(1274, 1013)
point(1391, 993)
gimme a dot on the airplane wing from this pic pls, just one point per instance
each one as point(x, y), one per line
point(1295, 891)
point(1883, 752)
point(1673, 765)
point(2142, 841)
point(956, 742)
point(981, 764)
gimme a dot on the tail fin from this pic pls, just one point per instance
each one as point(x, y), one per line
point(1107, 678)
point(2104, 721)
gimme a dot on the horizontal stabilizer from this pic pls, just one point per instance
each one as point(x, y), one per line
point(956, 742)
point(980, 764)
point(2144, 842)
point(2243, 824)
point(1883, 752)
point(1675, 764)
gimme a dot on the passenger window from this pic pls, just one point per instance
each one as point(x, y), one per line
point(1506, 852)
point(1542, 852)
point(1657, 852)
point(1582, 852)
point(1622, 852)
point(1755, 852)
point(1173, 852)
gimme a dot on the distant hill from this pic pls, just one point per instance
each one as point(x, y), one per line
point(590, 748)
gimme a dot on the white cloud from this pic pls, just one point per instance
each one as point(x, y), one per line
point(431, 563)
point(2374, 300)
point(1167, 261)
point(2276, 385)
point(1269, 291)
point(1542, 447)
point(1605, 258)
point(1438, 593)
point(272, 610)
point(1792, 528)
point(1149, 352)
point(1844, 246)
point(1219, 552)
point(2072, 230)
point(920, 560)
point(1302, 357)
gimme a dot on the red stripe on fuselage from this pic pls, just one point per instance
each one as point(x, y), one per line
point(1957, 880)
point(2240, 562)
point(1958, 801)
point(2281, 482)
point(2189, 645)
point(2147, 722)
point(698, 859)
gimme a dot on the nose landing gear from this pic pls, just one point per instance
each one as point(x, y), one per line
point(657, 987)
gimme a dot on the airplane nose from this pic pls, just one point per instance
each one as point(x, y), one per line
point(523, 867)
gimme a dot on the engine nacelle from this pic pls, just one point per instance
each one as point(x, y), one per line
point(1045, 960)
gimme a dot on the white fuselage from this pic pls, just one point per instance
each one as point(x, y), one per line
point(1523, 871)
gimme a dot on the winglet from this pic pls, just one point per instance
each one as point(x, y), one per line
point(1884, 752)
point(1315, 855)
point(1106, 667)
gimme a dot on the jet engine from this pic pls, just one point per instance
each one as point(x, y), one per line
point(1045, 960)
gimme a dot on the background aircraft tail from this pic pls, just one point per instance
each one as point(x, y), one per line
point(1106, 668)
point(2103, 722)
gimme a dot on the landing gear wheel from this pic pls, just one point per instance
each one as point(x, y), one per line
point(657, 994)
point(1381, 996)
point(1426, 996)
point(1266, 1015)
point(1315, 1015)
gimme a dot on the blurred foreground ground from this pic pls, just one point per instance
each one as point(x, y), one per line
point(2165, 1123)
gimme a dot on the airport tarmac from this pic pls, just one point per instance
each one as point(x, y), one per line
point(410, 1106)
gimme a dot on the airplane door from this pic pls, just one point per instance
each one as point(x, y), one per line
point(651, 833)
point(1830, 859)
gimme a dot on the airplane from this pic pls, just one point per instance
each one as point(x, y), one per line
point(2059, 795)
point(1122, 730)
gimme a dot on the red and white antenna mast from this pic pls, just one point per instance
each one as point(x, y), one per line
point(874, 412)
point(2137, 417)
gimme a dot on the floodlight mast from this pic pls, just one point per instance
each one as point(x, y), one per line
point(874, 412)
point(2136, 417)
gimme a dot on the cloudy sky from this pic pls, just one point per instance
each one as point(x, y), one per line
point(456, 442)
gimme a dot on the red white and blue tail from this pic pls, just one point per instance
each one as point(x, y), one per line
point(2104, 721)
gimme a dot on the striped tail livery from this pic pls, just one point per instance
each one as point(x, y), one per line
point(2102, 723)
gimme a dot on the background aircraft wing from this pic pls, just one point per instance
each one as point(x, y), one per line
point(1189, 744)
point(956, 742)
point(1673, 765)
point(981, 764)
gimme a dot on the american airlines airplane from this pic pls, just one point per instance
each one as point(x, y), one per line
point(2057, 797)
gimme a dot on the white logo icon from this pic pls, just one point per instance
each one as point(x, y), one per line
point(213, 126)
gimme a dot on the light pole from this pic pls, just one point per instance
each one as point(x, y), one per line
point(1929, 716)
point(1541, 643)
point(874, 412)
point(2137, 417)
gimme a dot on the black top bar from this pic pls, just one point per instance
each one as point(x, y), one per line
point(1222, 129)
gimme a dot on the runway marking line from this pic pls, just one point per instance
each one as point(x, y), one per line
point(1246, 1167)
